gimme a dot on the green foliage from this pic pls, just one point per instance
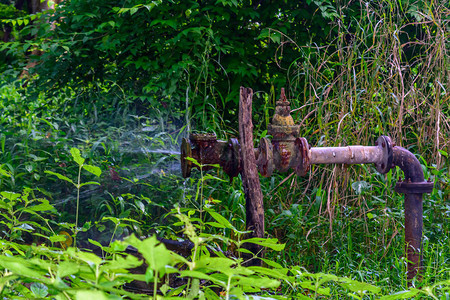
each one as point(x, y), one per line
point(24, 216)
point(9, 12)
point(181, 51)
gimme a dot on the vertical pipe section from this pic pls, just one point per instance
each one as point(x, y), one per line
point(413, 187)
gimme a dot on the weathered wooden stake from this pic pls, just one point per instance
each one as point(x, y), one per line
point(250, 178)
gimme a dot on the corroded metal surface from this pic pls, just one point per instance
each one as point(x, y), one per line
point(346, 155)
point(303, 160)
point(385, 144)
point(208, 151)
point(264, 159)
point(284, 133)
point(413, 186)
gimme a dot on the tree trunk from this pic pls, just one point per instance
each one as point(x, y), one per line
point(250, 178)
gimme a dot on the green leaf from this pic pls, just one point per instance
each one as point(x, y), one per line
point(4, 172)
point(90, 258)
point(310, 285)
point(133, 10)
point(269, 272)
point(357, 286)
point(401, 295)
point(269, 243)
point(93, 169)
point(62, 177)
point(442, 152)
point(155, 253)
point(202, 275)
point(10, 195)
point(77, 156)
point(57, 238)
point(121, 263)
point(20, 266)
point(39, 290)
point(44, 206)
point(220, 219)
point(67, 268)
point(91, 294)
point(89, 183)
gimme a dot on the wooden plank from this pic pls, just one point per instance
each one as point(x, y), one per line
point(250, 178)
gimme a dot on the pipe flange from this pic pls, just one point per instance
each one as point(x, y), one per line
point(424, 187)
point(385, 144)
point(231, 158)
point(264, 161)
point(186, 151)
point(303, 161)
point(203, 140)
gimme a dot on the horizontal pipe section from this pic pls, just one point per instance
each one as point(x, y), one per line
point(346, 155)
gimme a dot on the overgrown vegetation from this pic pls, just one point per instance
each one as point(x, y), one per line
point(91, 195)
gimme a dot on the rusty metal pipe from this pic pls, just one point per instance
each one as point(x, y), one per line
point(346, 155)
point(408, 163)
point(414, 186)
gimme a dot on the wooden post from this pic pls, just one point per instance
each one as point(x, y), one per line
point(250, 178)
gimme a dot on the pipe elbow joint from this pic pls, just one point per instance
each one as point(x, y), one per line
point(414, 182)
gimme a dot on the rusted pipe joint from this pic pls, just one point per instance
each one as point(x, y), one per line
point(282, 152)
point(385, 163)
point(423, 187)
point(207, 151)
point(414, 182)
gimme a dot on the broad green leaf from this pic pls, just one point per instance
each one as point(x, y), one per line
point(209, 176)
point(155, 253)
point(220, 264)
point(258, 282)
point(90, 258)
point(39, 290)
point(120, 263)
point(220, 219)
point(20, 266)
point(202, 275)
point(77, 156)
point(10, 195)
point(401, 295)
point(303, 297)
point(357, 286)
point(95, 243)
point(57, 238)
point(44, 206)
point(133, 10)
point(66, 268)
point(62, 177)
point(269, 243)
point(310, 285)
point(91, 294)
point(269, 272)
point(93, 169)
point(273, 264)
